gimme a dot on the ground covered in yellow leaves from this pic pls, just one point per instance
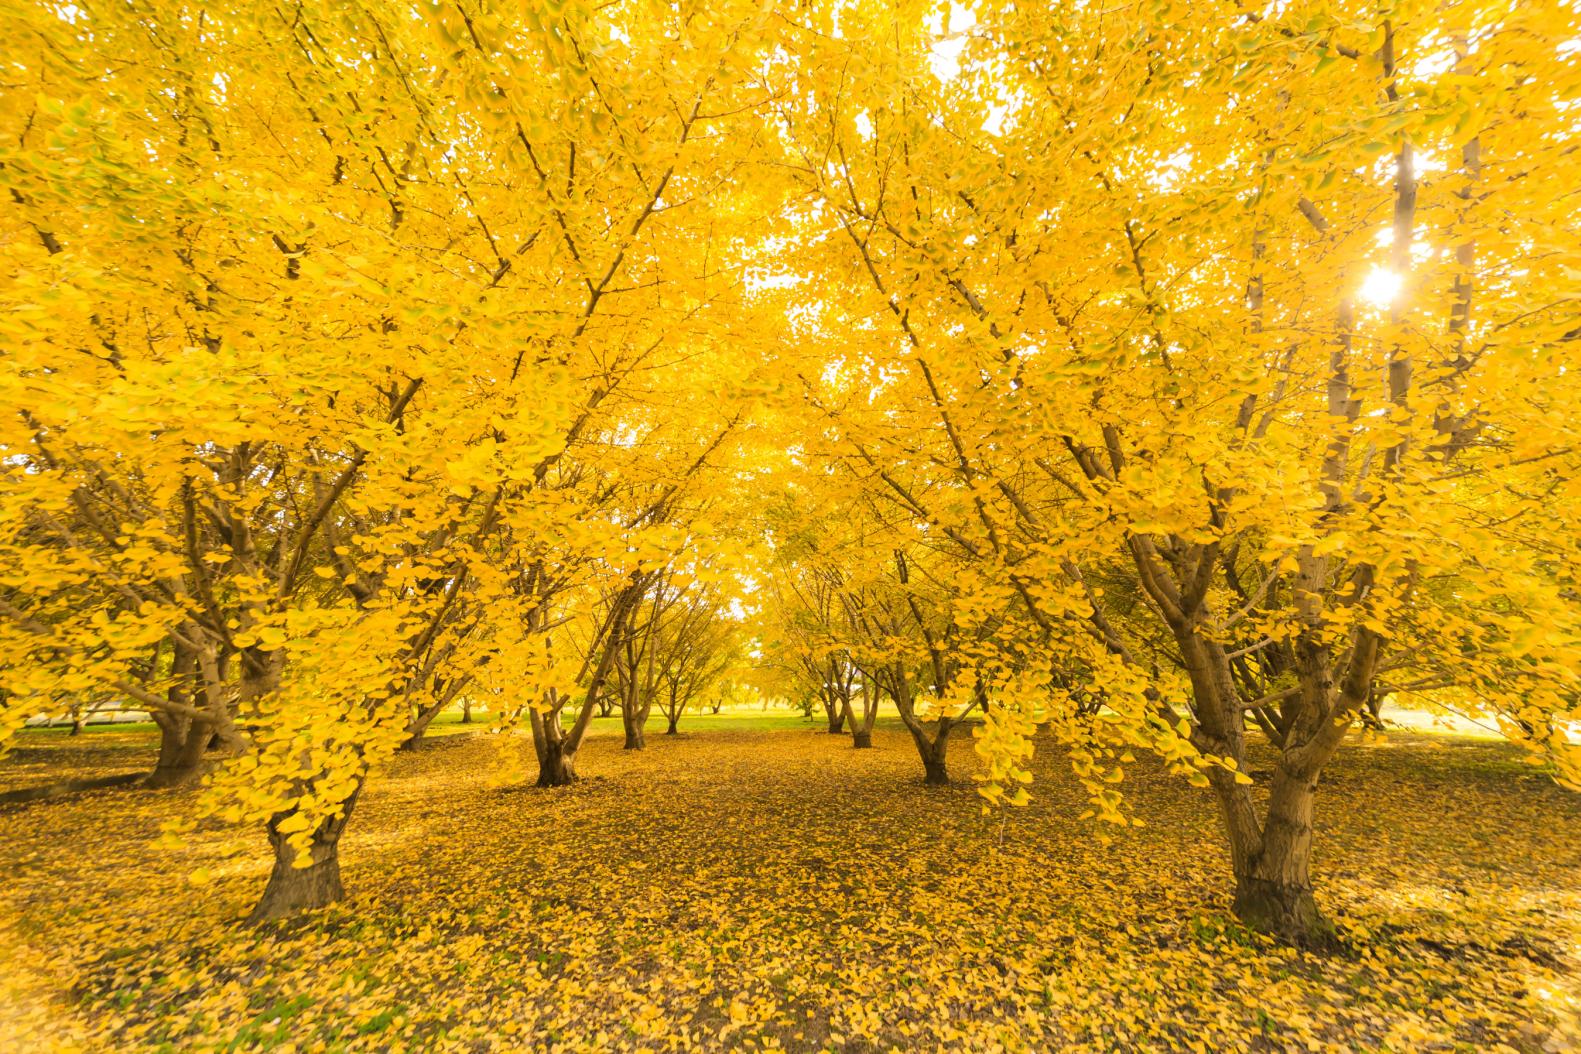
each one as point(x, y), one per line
point(751, 889)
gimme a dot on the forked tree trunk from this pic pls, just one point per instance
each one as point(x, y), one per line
point(293, 889)
point(556, 764)
point(675, 720)
point(836, 721)
point(556, 767)
point(934, 749)
point(861, 731)
point(935, 754)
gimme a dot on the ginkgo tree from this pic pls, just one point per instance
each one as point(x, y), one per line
point(1121, 355)
point(1169, 379)
point(332, 322)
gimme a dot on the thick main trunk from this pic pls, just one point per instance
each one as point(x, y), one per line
point(935, 754)
point(556, 767)
point(1273, 878)
point(182, 743)
point(634, 719)
point(836, 722)
point(674, 726)
point(1285, 910)
point(861, 739)
point(292, 889)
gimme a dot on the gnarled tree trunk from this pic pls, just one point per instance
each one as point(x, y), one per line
point(293, 889)
point(936, 772)
point(556, 763)
point(556, 767)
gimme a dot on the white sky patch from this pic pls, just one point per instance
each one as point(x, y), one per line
point(864, 124)
point(1437, 60)
point(994, 123)
point(756, 280)
point(1166, 175)
point(945, 55)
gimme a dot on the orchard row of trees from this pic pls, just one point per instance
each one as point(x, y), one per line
point(1170, 380)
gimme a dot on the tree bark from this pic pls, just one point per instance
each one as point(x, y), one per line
point(633, 722)
point(182, 744)
point(293, 889)
point(182, 740)
point(861, 739)
point(1273, 878)
point(935, 754)
point(556, 768)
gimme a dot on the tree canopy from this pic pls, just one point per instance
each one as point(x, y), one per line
point(1154, 379)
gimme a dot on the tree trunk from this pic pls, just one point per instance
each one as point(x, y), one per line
point(1273, 880)
point(674, 721)
point(417, 726)
point(292, 889)
point(861, 738)
point(935, 753)
point(466, 711)
point(836, 722)
point(556, 768)
point(633, 718)
point(182, 743)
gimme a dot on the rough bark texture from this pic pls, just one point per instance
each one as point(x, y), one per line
point(556, 768)
point(1273, 877)
point(1285, 911)
point(861, 739)
point(292, 889)
point(935, 755)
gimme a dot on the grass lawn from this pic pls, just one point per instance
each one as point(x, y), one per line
point(757, 884)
